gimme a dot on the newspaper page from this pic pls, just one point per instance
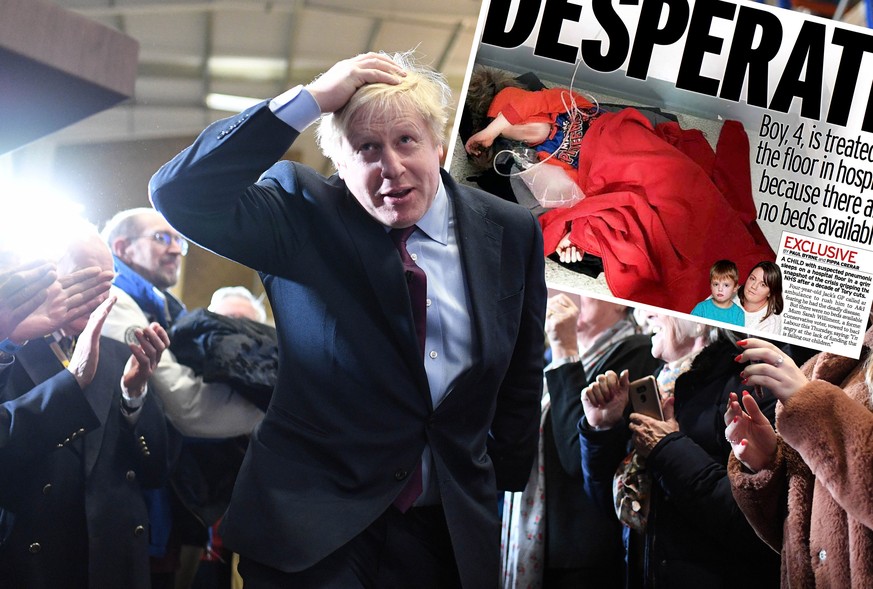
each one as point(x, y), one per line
point(707, 157)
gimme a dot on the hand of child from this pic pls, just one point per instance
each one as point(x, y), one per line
point(478, 143)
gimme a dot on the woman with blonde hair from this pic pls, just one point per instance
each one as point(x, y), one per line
point(806, 487)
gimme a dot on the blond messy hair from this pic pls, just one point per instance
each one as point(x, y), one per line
point(423, 91)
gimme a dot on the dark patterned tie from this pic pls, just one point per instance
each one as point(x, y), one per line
point(416, 281)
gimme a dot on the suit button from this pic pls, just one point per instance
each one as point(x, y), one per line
point(130, 475)
point(138, 531)
point(34, 548)
point(47, 489)
point(401, 474)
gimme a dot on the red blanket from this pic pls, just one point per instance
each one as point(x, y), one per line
point(661, 207)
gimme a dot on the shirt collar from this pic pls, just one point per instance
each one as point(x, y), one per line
point(435, 222)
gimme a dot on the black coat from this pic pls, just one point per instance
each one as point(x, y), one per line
point(579, 535)
point(235, 350)
point(696, 534)
point(77, 511)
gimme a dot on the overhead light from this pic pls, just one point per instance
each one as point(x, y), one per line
point(37, 218)
point(229, 102)
point(248, 68)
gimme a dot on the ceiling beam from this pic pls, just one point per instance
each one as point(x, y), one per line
point(435, 19)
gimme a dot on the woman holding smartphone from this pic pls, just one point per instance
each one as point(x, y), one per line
point(694, 526)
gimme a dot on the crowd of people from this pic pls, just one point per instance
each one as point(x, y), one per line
point(375, 435)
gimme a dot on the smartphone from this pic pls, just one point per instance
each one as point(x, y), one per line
point(645, 398)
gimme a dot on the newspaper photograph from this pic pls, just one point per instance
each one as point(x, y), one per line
point(708, 158)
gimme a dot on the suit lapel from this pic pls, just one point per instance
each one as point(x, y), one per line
point(381, 263)
point(100, 394)
point(38, 361)
point(480, 243)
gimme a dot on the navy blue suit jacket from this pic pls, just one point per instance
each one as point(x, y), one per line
point(76, 508)
point(352, 410)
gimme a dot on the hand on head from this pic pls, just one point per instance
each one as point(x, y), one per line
point(22, 290)
point(84, 290)
point(152, 341)
point(770, 368)
point(333, 89)
point(605, 398)
point(749, 433)
point(75, 295)
point(83, 364)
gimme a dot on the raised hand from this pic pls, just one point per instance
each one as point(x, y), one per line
point(83, 364)
point(561, 316)
point(152, 341)
point(770, 368)
point(333, 89)
point(605, 398)
point(749, 433)
point(77, 294)
point(85, 290)
point(22, 290)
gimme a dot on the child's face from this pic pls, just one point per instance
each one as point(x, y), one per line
point(723, 290)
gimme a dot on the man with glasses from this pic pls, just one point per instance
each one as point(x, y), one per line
point(76, 503)
point(148, 255)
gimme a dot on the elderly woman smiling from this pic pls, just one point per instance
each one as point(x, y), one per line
point(692, 525)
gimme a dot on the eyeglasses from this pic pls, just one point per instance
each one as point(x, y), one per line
point(166, 238)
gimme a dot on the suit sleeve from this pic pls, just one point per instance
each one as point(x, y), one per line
point(195, 408)
point(212, 194)
point(601, 452)
point(35, 423)
point(512, 444)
